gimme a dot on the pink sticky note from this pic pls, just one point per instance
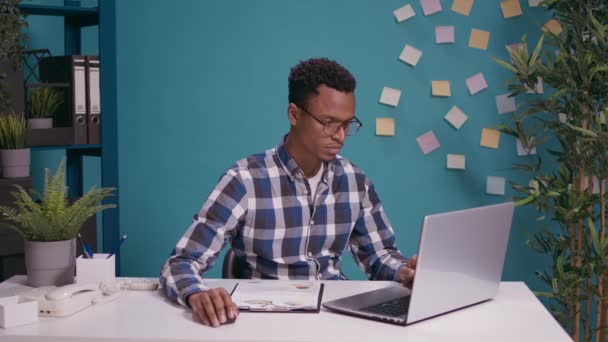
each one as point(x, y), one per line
point(444, 34)
point(430, 6)
point(476, 83)
point(428, 142)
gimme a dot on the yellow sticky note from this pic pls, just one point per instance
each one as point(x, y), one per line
point(479, 39)
point(510, 8)
point(490, 138)
point(385, 127)
point(553, 26)
point(462, 6)
point(441, 88)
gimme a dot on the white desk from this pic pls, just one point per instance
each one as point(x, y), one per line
point(514, 315)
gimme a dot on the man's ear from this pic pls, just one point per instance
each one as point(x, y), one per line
point(293, 113)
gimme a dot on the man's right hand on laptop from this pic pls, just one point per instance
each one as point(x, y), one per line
point(213, 307)
point(407, 272)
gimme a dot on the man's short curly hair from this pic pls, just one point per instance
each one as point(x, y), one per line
point(308, 75)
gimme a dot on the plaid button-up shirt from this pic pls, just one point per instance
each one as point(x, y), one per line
point(264, 208)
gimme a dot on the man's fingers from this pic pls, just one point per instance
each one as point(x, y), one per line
point(228, 305)
point(198, 313)
point(411, 263)
point(218, 303)
point(201, 316)
point(210, 311)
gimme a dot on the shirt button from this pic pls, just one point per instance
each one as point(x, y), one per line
point(312, 222)
point(310, 254)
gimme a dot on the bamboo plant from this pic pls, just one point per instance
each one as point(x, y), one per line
point(50, 216)
point(13, 132)
point(570, 124)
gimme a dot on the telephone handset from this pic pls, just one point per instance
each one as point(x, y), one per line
point(63, 301)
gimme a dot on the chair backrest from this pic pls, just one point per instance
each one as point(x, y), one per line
point(229, 267)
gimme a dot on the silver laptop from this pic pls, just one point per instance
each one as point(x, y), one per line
point(460, 261)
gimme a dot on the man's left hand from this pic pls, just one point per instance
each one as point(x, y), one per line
point(407, 272)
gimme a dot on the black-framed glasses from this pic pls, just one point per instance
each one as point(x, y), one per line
point(350, 127)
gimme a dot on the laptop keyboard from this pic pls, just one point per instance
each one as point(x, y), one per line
point(394, 307)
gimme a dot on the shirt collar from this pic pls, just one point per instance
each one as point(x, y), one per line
point(293, 170)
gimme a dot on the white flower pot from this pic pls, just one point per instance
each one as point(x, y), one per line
point(15, 163)
point(40, 123)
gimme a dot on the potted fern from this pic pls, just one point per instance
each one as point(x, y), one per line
point(14, 156)
point(49, 224)
point(41, 105)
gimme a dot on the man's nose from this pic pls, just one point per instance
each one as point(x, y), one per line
point(340, 134)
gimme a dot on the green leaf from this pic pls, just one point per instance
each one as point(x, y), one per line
point(505, 65)
point(536, 52)
point(525, 201)
point(594, 238)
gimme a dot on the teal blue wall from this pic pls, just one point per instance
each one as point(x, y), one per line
point(204, 83)
point(47, 32)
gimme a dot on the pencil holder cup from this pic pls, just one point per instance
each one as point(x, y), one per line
point(99, 269)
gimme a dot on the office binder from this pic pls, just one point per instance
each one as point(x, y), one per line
point(93, 99)
point(69, 69)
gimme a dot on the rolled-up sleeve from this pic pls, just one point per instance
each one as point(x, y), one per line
point(372, 241)
point(219, 219)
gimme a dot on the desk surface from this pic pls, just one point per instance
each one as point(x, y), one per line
point(514, 315)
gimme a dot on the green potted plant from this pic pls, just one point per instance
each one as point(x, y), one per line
point(570, 194)
point(49, 224)
point(42, 103)
point(14, 156)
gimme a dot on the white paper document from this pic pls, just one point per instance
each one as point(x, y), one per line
point(278, 295)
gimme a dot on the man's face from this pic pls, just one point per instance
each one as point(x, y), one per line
point(330, 105)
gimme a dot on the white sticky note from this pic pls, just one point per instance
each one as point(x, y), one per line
point(456, 117)
point(534, 3)
point(505, 104)
point(521, 151)
point(539, 86)
point(495, 185)
point(456, 161)
point(390, 96)
point(404, 13)
point(410, 55)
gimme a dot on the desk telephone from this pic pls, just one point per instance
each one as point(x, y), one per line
point(67, 300)
point(63, 301)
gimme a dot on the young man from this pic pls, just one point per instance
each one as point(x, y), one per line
point(290, 212)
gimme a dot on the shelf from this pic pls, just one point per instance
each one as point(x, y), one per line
point(80, 16)
point(90, 147)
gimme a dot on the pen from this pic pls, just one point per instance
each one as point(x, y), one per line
point(86, 250)
point(122, 240)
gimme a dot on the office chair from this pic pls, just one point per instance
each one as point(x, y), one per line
point(230, 269)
